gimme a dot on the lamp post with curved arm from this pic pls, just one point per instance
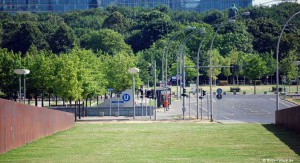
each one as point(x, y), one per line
point(188, 37)
point(230, 20)
point(277, 63)
point(198, 69)
point(165, 55)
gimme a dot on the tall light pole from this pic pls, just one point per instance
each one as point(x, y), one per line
point(165, 55)
point(133, 71)
point(198, 69)
point(188, 37)
point(22, 72)
point(277, 62)
point(230, 20)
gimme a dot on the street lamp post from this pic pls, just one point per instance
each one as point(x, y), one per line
point(198, 69)
point(22, 72)
point(277, 63)
point(188, 37)
point(165, 55)
point(230, 20)
point(133, 71)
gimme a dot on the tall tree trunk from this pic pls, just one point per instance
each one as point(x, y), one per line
point(49, 99)
point(79, 109)
point(36, 100)
point(42, 99)
point(97, 100)
point(56, 100)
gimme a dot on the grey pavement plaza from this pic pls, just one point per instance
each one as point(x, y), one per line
point(230, 109)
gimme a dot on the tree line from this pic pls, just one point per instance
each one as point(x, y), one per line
point(79, 54)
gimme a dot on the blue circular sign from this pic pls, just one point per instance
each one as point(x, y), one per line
point(126, 97)
point(219, 91)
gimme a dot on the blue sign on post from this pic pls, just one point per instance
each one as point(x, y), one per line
point(126, 97)
point(110, 89)
point(219, 91)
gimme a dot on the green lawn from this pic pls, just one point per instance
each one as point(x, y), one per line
point(162, 142)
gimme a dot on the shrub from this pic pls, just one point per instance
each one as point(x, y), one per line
point(274, 89)
point(236, 89)
point(223, 82)
point(258, 82)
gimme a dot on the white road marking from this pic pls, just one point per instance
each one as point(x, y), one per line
point(283, 103)
point(225, 117)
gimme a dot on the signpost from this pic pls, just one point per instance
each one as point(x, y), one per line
point(219, 97)
point(118, 95)
point(110, 96)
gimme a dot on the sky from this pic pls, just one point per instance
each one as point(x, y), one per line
point(258, 2)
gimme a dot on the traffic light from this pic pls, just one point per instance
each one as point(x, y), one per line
point(141, 91)
point(148, 94)
point(152, 94)
point(183, 92)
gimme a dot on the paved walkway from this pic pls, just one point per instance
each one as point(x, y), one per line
point(173, 114)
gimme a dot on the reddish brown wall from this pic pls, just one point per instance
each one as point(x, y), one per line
point(289, 118)
point(21, 124)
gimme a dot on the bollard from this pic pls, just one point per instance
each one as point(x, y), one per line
point(101, 114)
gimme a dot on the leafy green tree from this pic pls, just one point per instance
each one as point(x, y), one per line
point(88, 19)
point(117, 22)
point(163, 8)
point(254, 67)
point(232, 59)
point(213, 17)
point(287, 67)
point(153, 26)
point(67, 81)
point(265, 32)
point(107, 41)
point(270, 64)
point(25, 17)
point(62, 40)
point(41, 77)
point(116, 70)
point(1, 35)
point(217, 60)
point(9, 81)
point(191, 73)
point(26, 36)
point(235, 36)
point(48, 24)
point(90, 74)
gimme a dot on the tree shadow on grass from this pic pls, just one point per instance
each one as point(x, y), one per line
point(290, 137)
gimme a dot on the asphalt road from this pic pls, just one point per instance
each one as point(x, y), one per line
point(231, 108)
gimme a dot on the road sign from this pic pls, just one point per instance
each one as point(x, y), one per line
point(219, 96)
point(284, 79)
point(219, 91)
point(192, 87)
point(110, 89)
point(126, 97)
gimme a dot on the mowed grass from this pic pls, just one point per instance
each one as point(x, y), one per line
point(162, 142)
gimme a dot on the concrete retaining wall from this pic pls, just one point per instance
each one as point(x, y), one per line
point(289, 118)
point(21, 124)
point(95, 111)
